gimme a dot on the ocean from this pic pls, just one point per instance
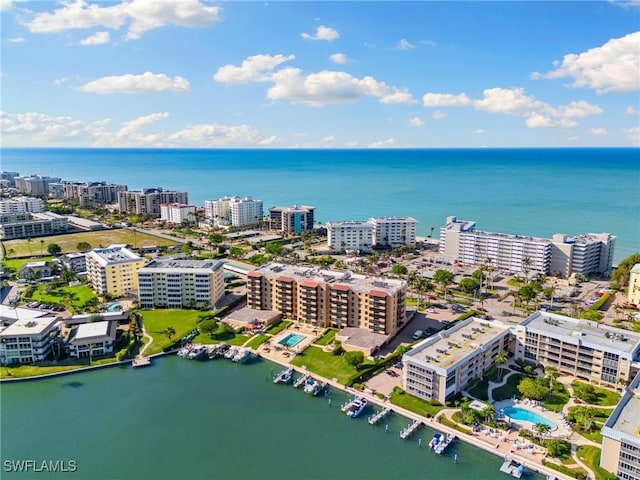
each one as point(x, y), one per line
point(536, 192)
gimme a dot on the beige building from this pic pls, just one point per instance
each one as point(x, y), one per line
point(90, 194)
point(328, 298)
point(293, 219)
point(27, 340)
point(113, 270)
point(633, 294)
point(446, 363)
point(148, 200)
point(621, 435)
point(584, 349)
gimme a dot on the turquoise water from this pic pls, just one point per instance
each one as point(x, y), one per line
point(179, 419)
point(535, 192)
point(527, 416)
point(291, 340)
point(114, 307)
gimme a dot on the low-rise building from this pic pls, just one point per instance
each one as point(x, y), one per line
point(177, 283)
point(621, 435)
point(350, 236)
point(92, 339)
point(584, 349)
point(22, 205)
point(178, 213)
point(31, 270)
point(28, 225)
point(27, 340)
point(633, 293)
point(113, 270)
point(442, 365)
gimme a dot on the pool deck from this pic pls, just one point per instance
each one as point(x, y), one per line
point(559, 432)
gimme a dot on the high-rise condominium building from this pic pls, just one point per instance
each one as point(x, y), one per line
point(350, 236)
point(22, 205)
point(293, 219)
point(177, 213)
point(148, 200)
point(394, 231)
point(235, 211)
point(90, 194)
point(113, 270)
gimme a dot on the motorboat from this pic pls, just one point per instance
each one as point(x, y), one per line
point(356, 407)
point(242, 355)
point(285, 376)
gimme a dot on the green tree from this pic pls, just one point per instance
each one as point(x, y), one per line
point(557, 448)
point(585, 392)
point(541, 429)
point(41, 247)
point(527, 293)
point(398, 269)
point(169, 332)
point(215, 239)
point(273, 248)
point(552, 374)
point(237, 252)
point(534, 388)
point(83, 247)
point(444, 278)
point(526, 268)
point(54, 249)
point(208, 326)
point(620, 276)
point(585, 416)
point(468, 284)
point(501, 359)
point(354, 358)
point(187, 248)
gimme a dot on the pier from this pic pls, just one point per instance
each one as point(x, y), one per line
point(406, 432)
point(141, 361)
point(379, 416)
point(300, 380)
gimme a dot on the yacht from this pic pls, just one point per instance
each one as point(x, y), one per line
point(242, 355)
point(356, 407)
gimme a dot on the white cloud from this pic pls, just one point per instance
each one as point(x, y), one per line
point(626, 3)
point(329, 139)
point(430, 43)
point(445, 100)
point(98, 38)
point(633, 134)
point(404, 44)
point(597, 132)
point(257, 68)
point(148, 82)
point(353, 143)
point(5, 5)
point(339, 58)
point(630, 110)
point(322, 33)
point(388, 143)
point(141, 15)
point(415, 122)
point(479, 131)
point(38, 129)
point(16, 40)
point(612, 67)
point(438, 115)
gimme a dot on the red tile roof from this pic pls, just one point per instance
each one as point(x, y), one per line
point(285, 279)
point(343, 288)
point(254, 274)
point(309, 283)
point(377, 293)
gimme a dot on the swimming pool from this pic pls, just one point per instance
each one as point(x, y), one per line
point(516, 413)
point(291, 340)
point(115, 307)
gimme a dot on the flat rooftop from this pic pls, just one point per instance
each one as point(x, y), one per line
point(11, 314)
point(95, 331)
point(114, 254)
point(449, 347)
point(169, 265)
point(347, 279)
point(31, 326)
point(588, 333)
point(361, 338)
point(624, 421)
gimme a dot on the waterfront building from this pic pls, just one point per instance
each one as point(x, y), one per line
point(293, 219)
point(10, 177)
point(633, 293)
point(22, 205)
point(445, 364)
point(178, 283)
point(28, 225)
point(561, 255)
point(92, 339)
point(587, 350)
point(148, 200)
point(350, 237)
point(178, 213)
point(91, 194)
point(394, 231)
point(113, 270)
point(621, 435)
point(325, 298)
point(235, 211)
point(35, 185)
point(27, 340)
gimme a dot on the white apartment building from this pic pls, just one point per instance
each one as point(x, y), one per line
point(113, 270)
point(177, 283)
point(633, 293)
point(235, 211)
point(92, 339)
point(178, 213)
point(27, 225)
point(90, 194)
point(148, 200)
point(444, 364)
point(350, 236)
point(22, 205)
point(28, 340)
point(394, 231)
point(35, 185)
point(562, 255)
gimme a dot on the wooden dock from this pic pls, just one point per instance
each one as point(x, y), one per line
point(141, 362)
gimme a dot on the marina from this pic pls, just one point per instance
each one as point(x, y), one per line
point(374, 419)
point(406, 432)
point(285, 376)
point(441, 441)
point(301, 380)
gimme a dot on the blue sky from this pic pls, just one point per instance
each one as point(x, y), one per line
point(196, 73)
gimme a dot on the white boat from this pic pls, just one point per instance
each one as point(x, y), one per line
point(313, 387)
point(184, 351)
point(197, 352)
point(356, 407)
point(229, 354)
point(285, 376)
point(511, 467)
point(242, 355)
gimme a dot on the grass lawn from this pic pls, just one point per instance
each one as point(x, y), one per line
point(557, 399)
point(278, 327)
point(509, 389)
point(47, 367)
point(157, 321)
point(591, 456)
point(76, 299)
point(325, 364)
point(327, 337)
point(16, 264)
point(578, 472)
point(605, 397)
point(480, 389)
point(96, 239)
point(257, 340)
point(413, 403)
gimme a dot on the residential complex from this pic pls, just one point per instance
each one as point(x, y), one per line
point(584, 349)
point(92, 339)
point(91, 194)
point(394, 231)
point(562, 255)
point(633, 293)
point(177, 213)
point(10, 177)
point(328, 298)
point(178, 283)
point(22, 205)
point(27, 225)
point(350, 237)
point(444, 364)
point(235, 211)
point(293, 219)
point(35, 185)
point(113, 270)
point(148, 200)
point(621, 435)
point(75, 262)
point(28, 340)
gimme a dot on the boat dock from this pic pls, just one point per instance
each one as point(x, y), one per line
point(444, 442)
point(141, 361)
point(300, 380)
point(345, 406)
point(379, 416)
point(511, 467)
point(406, 432)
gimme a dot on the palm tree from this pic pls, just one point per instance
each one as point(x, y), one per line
point(41, 247)
point(169, 332)
point(552, 374)
point(541, 429)
point(526, 268)
point(501, 359)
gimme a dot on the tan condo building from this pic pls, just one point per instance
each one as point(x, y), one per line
point(633, 294)
point(113, 270)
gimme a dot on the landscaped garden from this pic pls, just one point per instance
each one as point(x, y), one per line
point(595, 395)
point(326, 364)
point(509, 389)
point(158, 324)
point(77, 299)
point(327, 337)
point(414, 404)
point(278, 327)
point(591, 457)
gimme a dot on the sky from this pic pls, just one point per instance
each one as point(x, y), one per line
point(351, 74)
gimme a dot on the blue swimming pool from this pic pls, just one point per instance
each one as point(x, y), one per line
point(115, 307)
point(291, 340)
point(516, 413)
